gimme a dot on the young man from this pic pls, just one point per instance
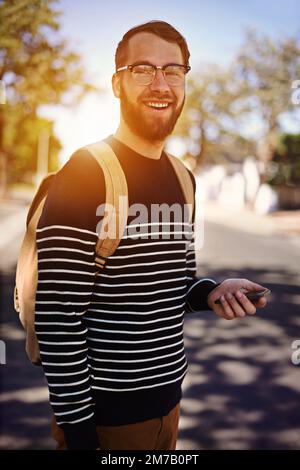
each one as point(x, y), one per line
point(112, 345)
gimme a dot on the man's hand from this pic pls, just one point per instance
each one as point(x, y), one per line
point(234, 303)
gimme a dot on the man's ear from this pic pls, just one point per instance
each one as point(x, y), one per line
point(115, 81)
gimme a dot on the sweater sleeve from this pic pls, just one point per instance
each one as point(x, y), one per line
point(66, 239)
point(197, 289)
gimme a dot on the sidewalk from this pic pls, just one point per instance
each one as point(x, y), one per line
point(281, 223)
point(13, 223)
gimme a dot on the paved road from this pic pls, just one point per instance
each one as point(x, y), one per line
point(241, 392)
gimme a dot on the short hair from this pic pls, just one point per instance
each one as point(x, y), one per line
point(161, 29)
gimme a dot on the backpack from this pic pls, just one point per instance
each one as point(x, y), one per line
point(27, 266)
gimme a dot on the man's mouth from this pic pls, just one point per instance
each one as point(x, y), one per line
point(158, 105)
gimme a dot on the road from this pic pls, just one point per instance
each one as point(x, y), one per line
point(242, 390)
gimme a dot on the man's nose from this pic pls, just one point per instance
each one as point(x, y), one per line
point(159, 81)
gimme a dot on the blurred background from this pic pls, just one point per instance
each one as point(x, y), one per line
point(239, 133)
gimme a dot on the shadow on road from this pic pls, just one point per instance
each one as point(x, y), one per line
point(24, 408)
point(243, 391)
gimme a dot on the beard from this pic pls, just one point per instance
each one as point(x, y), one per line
point(146, 126)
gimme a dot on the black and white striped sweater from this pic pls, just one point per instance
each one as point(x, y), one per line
point(112, 344)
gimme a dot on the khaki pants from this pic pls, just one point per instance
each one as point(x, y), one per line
point(153, 434)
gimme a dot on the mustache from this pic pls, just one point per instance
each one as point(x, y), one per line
point(156, 97)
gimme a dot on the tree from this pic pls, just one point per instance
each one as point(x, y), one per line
point(210, 123)
point(38, 68)
point(285, 168)
point(268, 69)
point(256, 87)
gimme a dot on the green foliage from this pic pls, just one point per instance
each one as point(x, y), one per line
point(212, 117)
point(36, 64)
point(285, 168)
point(21, 141)
point(256, 87)
point(38, 68)
point(268, 68)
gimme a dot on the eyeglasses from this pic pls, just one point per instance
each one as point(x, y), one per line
point(144, 74)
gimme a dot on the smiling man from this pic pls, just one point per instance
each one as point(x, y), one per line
point(150, 88)
point(112, 345)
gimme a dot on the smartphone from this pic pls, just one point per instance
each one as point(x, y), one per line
point(252, 295)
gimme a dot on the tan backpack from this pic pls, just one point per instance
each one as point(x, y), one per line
point(27, 266)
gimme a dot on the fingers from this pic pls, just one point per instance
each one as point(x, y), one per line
point(248, 307)
point(261, 303)
point(227, 310)
point(235, 306)
point(233, 301)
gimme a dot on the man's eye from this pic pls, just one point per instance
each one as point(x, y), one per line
point(174, 71)
point(142, 70)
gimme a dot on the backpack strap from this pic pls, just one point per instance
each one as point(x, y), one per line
point(28, 255)
point(185, 181)
point(26, 284)
point(116, 199)
point(40, 194)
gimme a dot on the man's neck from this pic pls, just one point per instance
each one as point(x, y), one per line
point(143, 147)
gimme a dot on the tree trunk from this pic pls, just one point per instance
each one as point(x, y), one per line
point(200, 157)
point(3, 159)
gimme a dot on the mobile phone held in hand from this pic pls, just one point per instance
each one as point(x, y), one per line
point(253, 296)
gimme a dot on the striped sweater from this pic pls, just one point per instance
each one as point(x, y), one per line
point(112, 343)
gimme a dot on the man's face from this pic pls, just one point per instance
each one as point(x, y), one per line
point(145, 121)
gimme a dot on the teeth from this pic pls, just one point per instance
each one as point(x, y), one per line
point(158, 105)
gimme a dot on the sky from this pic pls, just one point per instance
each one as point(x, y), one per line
point(214, 30)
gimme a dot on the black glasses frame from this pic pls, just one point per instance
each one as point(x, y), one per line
point(130, 67)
